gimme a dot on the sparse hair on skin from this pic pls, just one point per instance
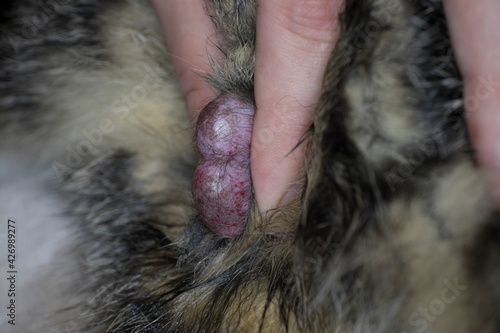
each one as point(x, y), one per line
point(394, 231)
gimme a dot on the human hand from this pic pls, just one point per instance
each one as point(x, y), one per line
point(294, 41)
point(475, 33)
point(187, 31)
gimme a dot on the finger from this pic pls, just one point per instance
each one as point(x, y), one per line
point(475, 31)
point(187, 31)
point(294, 41)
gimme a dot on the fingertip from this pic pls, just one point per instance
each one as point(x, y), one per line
point(483, 121)
point(294, 44)
point(188, 31)
point(196, 92)
point(483, 129)
point(276, 176)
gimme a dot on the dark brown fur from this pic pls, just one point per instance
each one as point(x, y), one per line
point(394, 209)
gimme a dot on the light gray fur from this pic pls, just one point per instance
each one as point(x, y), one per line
point(393, 212)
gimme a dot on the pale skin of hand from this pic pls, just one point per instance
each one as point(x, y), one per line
point(294, 41)
point(475, 32)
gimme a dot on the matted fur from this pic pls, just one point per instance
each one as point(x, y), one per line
point(394, 209)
